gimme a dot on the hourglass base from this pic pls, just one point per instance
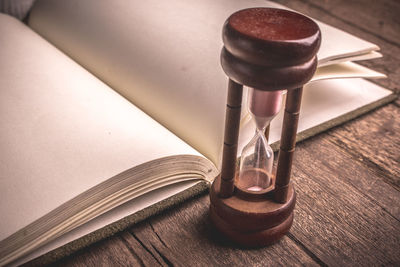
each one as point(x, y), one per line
point(252, 239)
point(251, 219)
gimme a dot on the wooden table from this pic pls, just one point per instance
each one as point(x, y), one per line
point(347, 180)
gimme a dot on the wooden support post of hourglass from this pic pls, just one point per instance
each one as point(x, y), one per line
point(287, 144)
point(270, 50)
point(232, 122)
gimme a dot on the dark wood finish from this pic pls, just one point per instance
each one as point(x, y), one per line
point(347, 182)
point(287, 144)
point(232, 122)
point(252, 239)
point(260, 36)
point(267, 78)
point(248, 211)
point(270, 49)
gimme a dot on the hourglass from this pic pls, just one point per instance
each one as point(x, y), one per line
point(269, 50)
point(257, 157)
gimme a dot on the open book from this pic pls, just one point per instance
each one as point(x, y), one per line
point(108, 107)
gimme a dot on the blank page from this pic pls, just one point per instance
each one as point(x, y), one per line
point(62, 130)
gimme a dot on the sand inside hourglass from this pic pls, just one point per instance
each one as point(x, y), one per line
point(255, 179)
point(257, 156)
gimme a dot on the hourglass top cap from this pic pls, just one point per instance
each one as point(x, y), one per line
point(271, 37)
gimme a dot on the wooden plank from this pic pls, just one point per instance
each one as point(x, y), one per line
point(339, 229)
point(375, 140)
point(190, 239)
point(185, 237)
point(336, 220)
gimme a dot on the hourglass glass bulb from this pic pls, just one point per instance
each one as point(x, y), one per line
point(257, 156)
point(264, 105)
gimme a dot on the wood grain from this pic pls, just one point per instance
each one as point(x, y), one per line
point(347, 180)
point(194, 242)
point(380, 150)
point(335, 213)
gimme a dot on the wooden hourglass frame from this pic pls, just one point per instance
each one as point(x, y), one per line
point(267, 49)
